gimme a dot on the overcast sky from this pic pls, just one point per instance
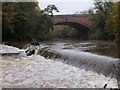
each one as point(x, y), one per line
point(67, 6)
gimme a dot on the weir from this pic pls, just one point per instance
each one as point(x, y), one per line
point(84, 60)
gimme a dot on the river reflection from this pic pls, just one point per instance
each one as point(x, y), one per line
point(98, 47)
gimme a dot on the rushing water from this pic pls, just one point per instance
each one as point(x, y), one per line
point(39, 72)
point(98, 47)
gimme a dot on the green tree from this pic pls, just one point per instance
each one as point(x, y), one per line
point(44, 22)
point(26, 21)
point(99, 19)
point(7, 17)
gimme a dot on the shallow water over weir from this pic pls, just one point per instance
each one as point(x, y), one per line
point(97, 47)
point(88, 61)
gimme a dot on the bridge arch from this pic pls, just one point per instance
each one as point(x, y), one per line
point(82, 29)
point(75, 25)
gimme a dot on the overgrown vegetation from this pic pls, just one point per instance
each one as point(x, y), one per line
point(26, 21)
point(104, 18)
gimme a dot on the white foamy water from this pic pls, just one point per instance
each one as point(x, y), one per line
point(8, 49)
point(38, 72)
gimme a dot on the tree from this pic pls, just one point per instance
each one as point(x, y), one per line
point(49, 10)
point(103, 5)
point(116, 25)
point(24, 21)
point(44, 22)
point(7, 17)
point(99, 19)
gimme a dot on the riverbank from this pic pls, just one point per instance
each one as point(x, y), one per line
point(38, 72)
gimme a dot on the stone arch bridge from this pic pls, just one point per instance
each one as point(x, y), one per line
point(80, 22)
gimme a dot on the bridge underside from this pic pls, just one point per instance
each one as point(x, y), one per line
point(82, 29)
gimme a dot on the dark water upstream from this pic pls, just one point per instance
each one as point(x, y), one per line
point(97, 47)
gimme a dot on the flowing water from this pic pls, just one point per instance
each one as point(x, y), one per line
point(97, 47)
point(39, 72)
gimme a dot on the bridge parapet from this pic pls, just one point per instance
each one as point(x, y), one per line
point(82, 19)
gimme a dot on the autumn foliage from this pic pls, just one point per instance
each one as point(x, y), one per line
point(105, 20)
point(25, 21)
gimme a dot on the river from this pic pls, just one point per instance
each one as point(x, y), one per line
point(39, 72)
point(97, 47)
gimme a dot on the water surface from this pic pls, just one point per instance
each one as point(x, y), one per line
point(97, 47)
